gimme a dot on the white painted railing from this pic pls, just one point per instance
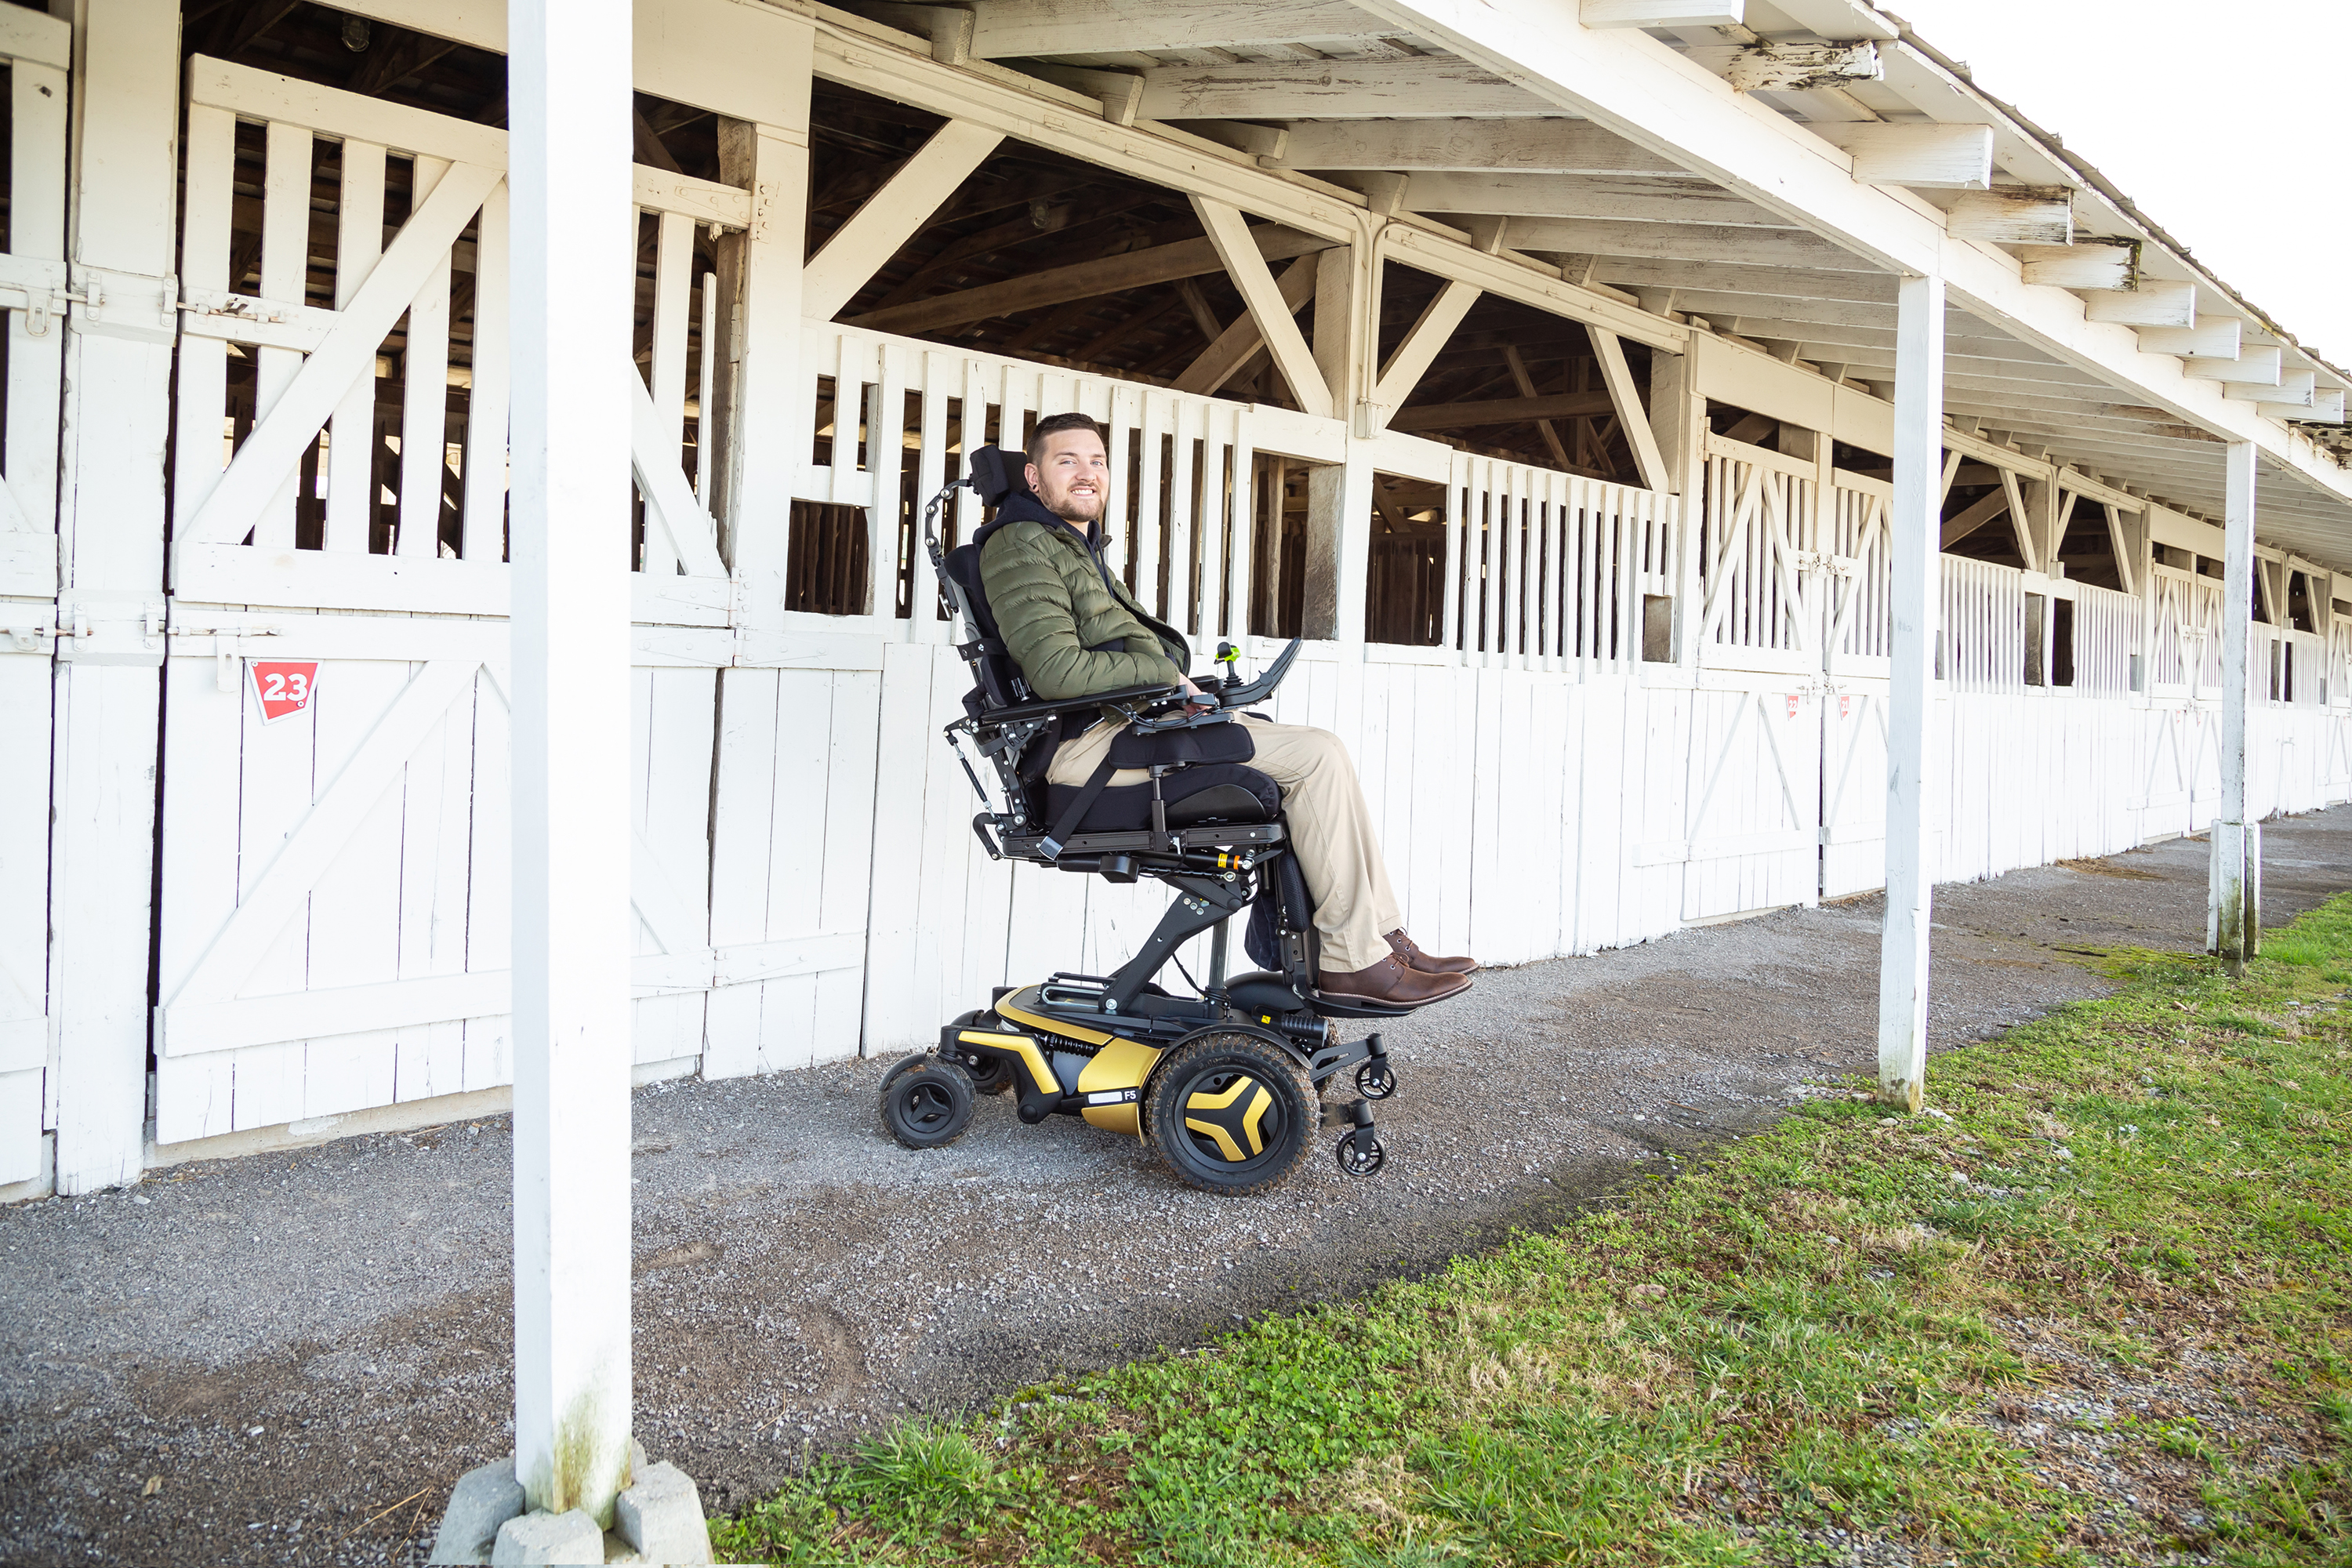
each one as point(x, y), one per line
point(1178, 512)
point(312, 487)
point(2177, 637)
point(1551, 571)
point(1982, 644)
point(2106, 639)
point(2205, 607)
point(1754, 547)
point(1794, 565)
point(1856, 552)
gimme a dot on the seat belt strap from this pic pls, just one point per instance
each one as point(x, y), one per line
point(1051, 845)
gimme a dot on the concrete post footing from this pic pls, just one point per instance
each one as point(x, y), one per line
point(657, 1518)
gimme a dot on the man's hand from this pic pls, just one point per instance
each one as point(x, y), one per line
point(1195, 699)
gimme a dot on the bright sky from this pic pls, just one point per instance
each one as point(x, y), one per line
point(2223, 123)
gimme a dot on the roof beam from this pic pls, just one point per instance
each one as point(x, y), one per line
point(1238, 249)
point(2258, 366)
point(1502, 411)
point(1631, 419)
point(1802, 68)
point(1986, 509)
point(1433, 146)
point(2215, 337)
point(2293, 389)
point(1411, 361)
point(1931, 157)
point(891, 217)
point(1120, 92)
point(898, 67)
point(1004, 30)
point(2090, 265)
point(1663, 12)
point(2014, 214)
point(1585, 197)
point(2154, 304)
point(1335, 90)
point(1747, 247)
point(1839, 21)
point(2326, 408)
point(1526, 383)
point(1786, 283)
point(1080, 280)
point(1235, 347)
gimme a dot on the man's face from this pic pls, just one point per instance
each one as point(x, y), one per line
point(1072, 476)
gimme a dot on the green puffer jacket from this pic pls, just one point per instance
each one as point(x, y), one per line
point(1064, 620)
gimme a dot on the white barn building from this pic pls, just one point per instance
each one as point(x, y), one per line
point(1539, 364)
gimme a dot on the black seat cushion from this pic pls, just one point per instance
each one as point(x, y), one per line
point(1212, 793)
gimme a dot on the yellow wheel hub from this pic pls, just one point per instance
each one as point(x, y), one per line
point(1233, 1116)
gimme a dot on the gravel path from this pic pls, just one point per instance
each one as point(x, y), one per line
point(299, 1352)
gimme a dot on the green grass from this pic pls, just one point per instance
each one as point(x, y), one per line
point(1842, 1324)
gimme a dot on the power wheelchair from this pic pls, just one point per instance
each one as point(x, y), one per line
point(1226, 1085)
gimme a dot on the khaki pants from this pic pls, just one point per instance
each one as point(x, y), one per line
point(1330, 830)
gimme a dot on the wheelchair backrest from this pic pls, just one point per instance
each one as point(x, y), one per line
point(1001, 684)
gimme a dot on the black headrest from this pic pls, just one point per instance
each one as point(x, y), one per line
point(996, 474)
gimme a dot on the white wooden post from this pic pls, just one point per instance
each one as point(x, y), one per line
point(1914, 527)
point(109, 683)
point(1339, 496)
point(572, 286)
point(1678, 423)
point(2232, 921)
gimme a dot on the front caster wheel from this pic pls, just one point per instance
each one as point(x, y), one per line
point(926, 1105)
point(1232, 1112)
point(1374, 1080)
point(1361, 1155)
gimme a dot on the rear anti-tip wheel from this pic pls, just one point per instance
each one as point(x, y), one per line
point(1374, 1079)
point(990, 1075)
point(926, 1105)
point(1232, 1112)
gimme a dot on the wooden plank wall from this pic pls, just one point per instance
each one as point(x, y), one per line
point(1515, 806)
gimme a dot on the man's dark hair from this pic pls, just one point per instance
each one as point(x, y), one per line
point(1054, 423)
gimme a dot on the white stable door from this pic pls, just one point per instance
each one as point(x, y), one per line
point(36, 50)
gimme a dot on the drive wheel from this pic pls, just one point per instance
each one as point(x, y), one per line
point(1233, 1113)
point(926, 1106)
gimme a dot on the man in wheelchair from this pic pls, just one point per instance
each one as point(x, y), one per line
point(1073, 630)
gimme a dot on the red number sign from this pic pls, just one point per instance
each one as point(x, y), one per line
point(283, 686)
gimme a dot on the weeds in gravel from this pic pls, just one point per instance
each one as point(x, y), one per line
point(2094, 1308)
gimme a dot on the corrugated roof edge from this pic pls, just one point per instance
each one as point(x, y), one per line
point(2106, 187)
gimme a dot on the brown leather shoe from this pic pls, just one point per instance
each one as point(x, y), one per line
point(1404, 948)
point(1391, 981)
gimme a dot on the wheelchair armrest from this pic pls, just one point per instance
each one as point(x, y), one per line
point(1260, 689)
point(1021, 711)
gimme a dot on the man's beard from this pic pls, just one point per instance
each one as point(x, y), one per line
point(1072, 508)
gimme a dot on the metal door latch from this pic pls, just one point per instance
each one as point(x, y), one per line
point(98, 626)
